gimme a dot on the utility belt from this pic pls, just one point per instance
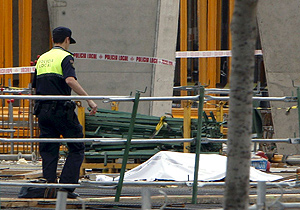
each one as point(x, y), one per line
point(67, 106)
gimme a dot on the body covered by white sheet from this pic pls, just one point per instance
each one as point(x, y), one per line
point(166, 165)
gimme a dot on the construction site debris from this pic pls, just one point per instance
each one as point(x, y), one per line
point(176, 166)
point(107, 123)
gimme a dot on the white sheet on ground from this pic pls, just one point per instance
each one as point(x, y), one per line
point(177, 166)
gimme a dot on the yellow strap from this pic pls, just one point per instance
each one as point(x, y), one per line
point(161, 123)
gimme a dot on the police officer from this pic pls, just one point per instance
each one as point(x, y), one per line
point(55, 75)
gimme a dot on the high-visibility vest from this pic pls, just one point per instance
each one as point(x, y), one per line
point(50, 62)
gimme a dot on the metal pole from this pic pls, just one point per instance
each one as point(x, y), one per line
point(127, 147)
point(198, 145)
point(288, 140)
point(30, 119)
point(261, 195)
point(11, 122)
point(255, 98)
point(113, 184)
point(129, 98)
point(298, 103)
point(120, 141)
point(116, 141)
point(61, 202)
point(290, 205)
point(146, 199)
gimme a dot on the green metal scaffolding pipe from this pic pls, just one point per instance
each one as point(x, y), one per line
point(127, 147)
point(198, 146)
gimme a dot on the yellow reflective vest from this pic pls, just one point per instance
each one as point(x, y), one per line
point(50, 62)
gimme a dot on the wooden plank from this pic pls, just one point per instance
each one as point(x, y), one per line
point(2, 14)
point(211, 45)
point(32, 174)
point(183, 44)
point(19, 133)
point(202, 31)
point(33, 202)
point(218, 37)
point(231, 10)
point(25, 16)
point(178, 112)
point(13, 172)
point(17, 204)
point(19, 113)
point(8, 39)
point(81, 118)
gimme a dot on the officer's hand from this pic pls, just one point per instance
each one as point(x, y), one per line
point(93, 106)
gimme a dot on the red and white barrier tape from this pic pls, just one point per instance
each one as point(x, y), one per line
point(17, 70)
point(208, 54)
point(131, 59)
point(123, 58)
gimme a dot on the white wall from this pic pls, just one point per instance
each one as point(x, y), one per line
point(131, 27)
point(279, 22)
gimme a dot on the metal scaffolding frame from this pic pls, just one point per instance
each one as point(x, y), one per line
point(130, 98)
point(17, 121)
point(200, 98)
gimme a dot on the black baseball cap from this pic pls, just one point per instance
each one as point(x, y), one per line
point(63, 32)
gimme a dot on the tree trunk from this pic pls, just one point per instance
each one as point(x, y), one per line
point(243, 29)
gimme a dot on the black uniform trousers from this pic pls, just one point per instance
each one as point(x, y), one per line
point(54, 120)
